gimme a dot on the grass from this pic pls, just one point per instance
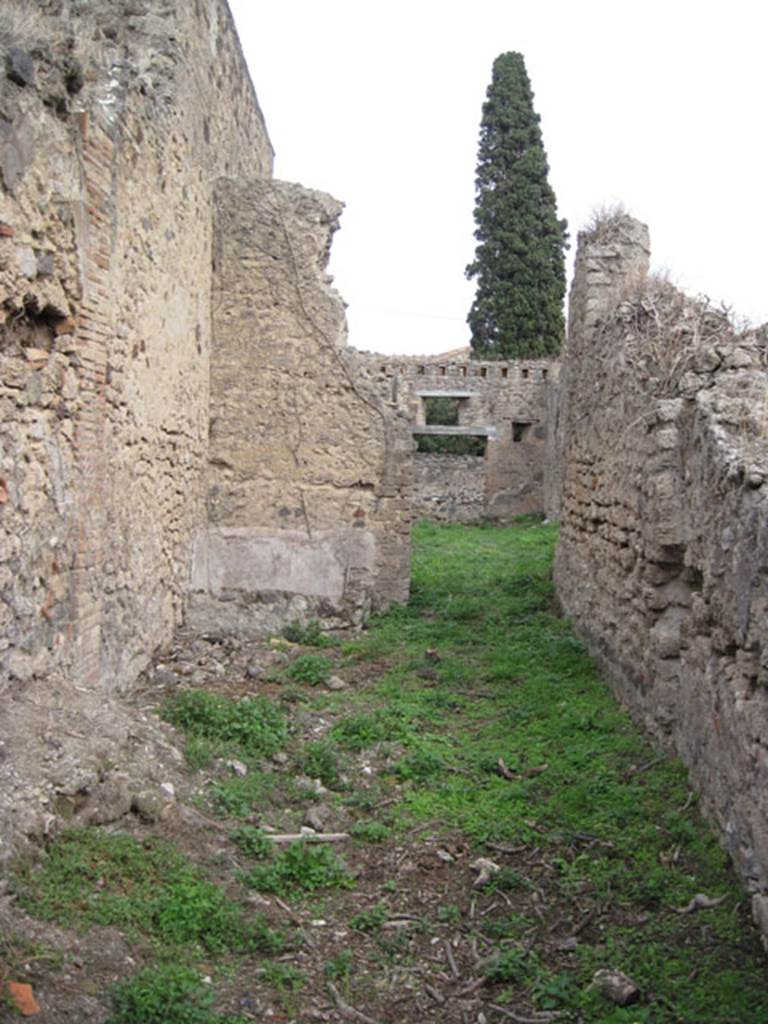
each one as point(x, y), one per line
point(169, 994)
point(149, 889)
point(299, 869)
point(615, 821)
point(474, 673)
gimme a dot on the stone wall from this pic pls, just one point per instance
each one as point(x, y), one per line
point(449, 488)
point(504, 402)
point(111, 135)
point(663, 557)
point(117, 120)
point(308, 510)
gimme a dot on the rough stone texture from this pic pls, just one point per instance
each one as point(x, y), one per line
point(308, 510)
point(109, 152)
point(663, 557)
point(505, 401)
point(449, 488)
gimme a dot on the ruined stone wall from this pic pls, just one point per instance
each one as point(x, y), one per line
point(308, 504)
point(506, 402)
point(114, 124)
point(663, 557)
point(115, 121)
point(449, 488)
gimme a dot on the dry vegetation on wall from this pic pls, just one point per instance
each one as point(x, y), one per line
point(668, 334)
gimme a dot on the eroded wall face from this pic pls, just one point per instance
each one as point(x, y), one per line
point(107, 161)
point(663, 557)
point(115, 119)
point(308, 473)
point(504, 402)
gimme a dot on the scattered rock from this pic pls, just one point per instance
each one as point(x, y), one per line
point(317, 816)
point(163, 677)
point(151, 805)
point(336, 683)
point(254, 670)
point(616, 986)
point(109, 801)
point(238, 768)
point(19, 67)
point(486, 870)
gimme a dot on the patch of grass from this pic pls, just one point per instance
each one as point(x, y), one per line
point(371, 919)
point(301, 868)
point(370, 831)
point(253, 726)
point(253, 842)
point(319, 760)
point(94, 877)
point(340, 967)
point(310, 635)
point(169, 994)
point(240, 796)
point(358, 732)
point(312, 669)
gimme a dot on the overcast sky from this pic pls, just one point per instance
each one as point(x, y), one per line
point(658, 105)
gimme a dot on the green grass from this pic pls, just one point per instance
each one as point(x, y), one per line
point(511, 681)
point(253, 726)
point(299, 869)
point(310, 635)
point(93, 877)
point(169, 994)
point(313, 669)
point(475, 668)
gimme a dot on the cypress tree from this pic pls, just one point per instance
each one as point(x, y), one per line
point(519, 259)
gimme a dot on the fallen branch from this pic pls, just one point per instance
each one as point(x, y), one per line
point(345, 1009)
point(543, 1017)
point(699, 902)
point(451, 959)
point(309, 836)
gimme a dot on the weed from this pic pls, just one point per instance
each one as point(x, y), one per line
point(419, 766)
point(310, 635)
point(508, 965)
point(301, 868)
point(449, 913)
point(358, 732)
point(371, 919)
point(312, 669)
point(370, 831)
point(286, 979)
point(252, 841)
point(340, 967)
point(89, 876)
point(170, 994)
point(319, 760)
point(252, 726)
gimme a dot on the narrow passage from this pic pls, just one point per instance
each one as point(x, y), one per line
point(445, 817)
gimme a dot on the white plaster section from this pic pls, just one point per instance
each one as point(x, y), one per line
point(249, 560)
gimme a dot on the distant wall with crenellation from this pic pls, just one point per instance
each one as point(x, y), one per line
point(503, 403)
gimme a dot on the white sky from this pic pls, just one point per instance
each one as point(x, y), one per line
point(658, 105)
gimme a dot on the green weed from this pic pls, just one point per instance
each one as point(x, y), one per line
point(371, 919)
point(310, 635)
point(313, 669)
point(370, 831)
point(252, 841)
point(301, 868)
point(319, 760)
point(168, 994)
point(89, 876)
point(252, 726)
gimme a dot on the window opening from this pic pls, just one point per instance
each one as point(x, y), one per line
point(519, 430)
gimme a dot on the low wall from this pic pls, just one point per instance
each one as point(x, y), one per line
point(449, 488)
point(663, 557)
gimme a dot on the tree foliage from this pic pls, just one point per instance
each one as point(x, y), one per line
point(519, 259)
